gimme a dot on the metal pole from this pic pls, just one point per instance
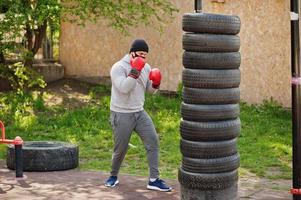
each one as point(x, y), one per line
point(19, 161)
point(296, 98)
point(198, 6)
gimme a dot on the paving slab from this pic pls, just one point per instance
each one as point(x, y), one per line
point(77, 184)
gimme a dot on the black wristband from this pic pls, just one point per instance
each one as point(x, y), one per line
point(134, 73)
point(155, 86)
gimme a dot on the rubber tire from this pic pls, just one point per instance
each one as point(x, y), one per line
point(194, 112)
point(203, 181)
point(211, 23)
point(230, 193)
point(45, 156)
point(216, 165)
point(200, 60)
point(210, 43)
point(211, 96)
point(208, 150)
point(210, 131)
point(196, 78)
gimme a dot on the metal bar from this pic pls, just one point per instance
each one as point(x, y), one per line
point(7, 141)
point(19, 161)
point(18, 150)
point(3, 130)
point(296, 97)
point(198, 6)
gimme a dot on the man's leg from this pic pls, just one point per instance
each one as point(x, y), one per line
point(123, 125)
point(147, 132)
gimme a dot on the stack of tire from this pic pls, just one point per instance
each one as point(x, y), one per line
point(210, 121)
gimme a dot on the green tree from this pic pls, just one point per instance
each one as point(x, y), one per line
point(26, 21)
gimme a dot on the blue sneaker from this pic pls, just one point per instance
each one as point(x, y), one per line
point(112, 181)
point(159, 185)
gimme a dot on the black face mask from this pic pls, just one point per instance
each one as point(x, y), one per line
point(136, 55)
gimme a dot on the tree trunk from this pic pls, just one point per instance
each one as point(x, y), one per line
point(39, 35)
point(29, 37)
point(34, 43)
point(2, 58)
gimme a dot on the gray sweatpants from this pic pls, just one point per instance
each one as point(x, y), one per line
point(123, 125)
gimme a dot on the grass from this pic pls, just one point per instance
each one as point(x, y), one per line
point(264, 143)
point(265, 140)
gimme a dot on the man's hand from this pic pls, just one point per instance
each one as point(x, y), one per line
point(155, 77)
point(137, 65)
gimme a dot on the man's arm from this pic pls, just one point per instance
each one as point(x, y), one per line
point(149, 87)
point(121, 80)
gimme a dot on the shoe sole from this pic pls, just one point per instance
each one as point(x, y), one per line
point(116, 183)
point(158, 189)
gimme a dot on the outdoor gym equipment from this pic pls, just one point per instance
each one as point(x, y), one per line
point(296, 99)
point(210, 121)
point(192, 60)
point(18, 142)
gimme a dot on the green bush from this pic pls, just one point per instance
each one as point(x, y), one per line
point(21, 77)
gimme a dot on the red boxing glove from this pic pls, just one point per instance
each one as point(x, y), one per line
point(137, 65)
point(155, 77)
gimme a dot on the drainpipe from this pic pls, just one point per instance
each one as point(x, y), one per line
point(296, 99)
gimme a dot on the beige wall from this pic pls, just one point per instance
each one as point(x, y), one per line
point(265, 47)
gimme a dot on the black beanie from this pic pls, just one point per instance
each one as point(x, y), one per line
point(139, 45)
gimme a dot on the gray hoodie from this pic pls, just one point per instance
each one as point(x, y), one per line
point(128, 94)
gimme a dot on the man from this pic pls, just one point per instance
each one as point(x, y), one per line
point(131, 78)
